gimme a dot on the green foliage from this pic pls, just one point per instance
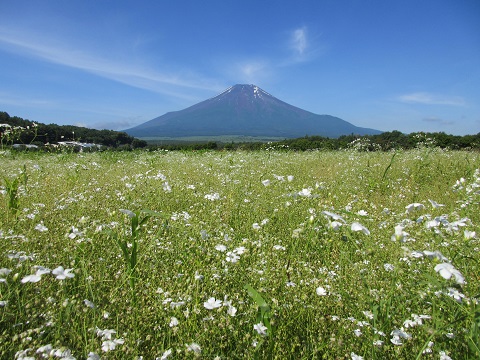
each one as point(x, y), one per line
point(387, 141)
point(388, 166)
point(128, 243)
point(473, 338)
point(12, 189)
point(27, 132)
point(390, 140)
point(38, 133)
point(264, 312)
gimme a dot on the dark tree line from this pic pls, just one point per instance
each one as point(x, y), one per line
point(43, 134)
point(383, 142)
point(40, 134)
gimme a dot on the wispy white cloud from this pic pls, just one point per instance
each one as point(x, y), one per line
point(299, 41)
point(245, 69)
point(12, 100)
point(302, 47)
point(62, 53)
point(253, 71)
point(119, 124)
point(431, 99)
point(438, 121)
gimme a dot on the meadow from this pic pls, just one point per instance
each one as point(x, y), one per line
point(240, 255)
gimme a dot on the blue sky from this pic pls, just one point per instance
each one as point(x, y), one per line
point(388, 65)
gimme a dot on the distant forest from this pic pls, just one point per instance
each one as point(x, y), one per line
point(386, 141)
point(383, 142)
point(42, 134)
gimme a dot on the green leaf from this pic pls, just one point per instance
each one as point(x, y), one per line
point(264, 313)
point(144, 220)
point(255, 295)
point(389, 166)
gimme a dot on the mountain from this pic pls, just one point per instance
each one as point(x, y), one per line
point(245, 110)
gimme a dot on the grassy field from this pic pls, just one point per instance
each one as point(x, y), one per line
point(225, 139)
point(240, 255)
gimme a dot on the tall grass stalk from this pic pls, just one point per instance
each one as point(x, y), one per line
point(12, 189)
point(129, 242)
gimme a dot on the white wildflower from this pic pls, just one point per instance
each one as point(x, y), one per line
point(109, 345)
point(356, 357)
point(334, 225)
point(399, 234)
point(232, 310)
point(447, 270)
point(444, 356)
point(212, 303)
point(435, 205)
point(89, 304)
point(40, 227)
point(368, 314)
point(388, 267)
point(321, 291)
point(260, 329)
point(359, 227)
point(333, 216)
point(414, 206)
point(166, 354)
point(232, 257)
point(469, 235)
point(454, 293)
point(93, 356)
point(305, 192)
point(212, 197)
point(221, 248)
point(62, 274)
point(194, 347)
point(173, 322)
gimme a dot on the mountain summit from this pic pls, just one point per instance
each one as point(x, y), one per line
point(245, 110)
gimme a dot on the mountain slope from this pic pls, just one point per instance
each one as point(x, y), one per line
point(245, 110)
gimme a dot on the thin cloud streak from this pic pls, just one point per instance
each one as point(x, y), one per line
point(431, 99)
point(301, 47)
point(120, 124)
point(8, 99)
point(438, 121)
point(258, 69)
point(253, 71)
point(299, 41)
point(110, 69)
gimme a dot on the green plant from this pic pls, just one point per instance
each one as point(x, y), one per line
point(11, 187)
point(264, 312)
point(264, 317)
point(473, 337)
point(129, 244)
point(388, 166)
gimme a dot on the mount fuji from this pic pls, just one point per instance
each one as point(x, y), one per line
point(245, 110)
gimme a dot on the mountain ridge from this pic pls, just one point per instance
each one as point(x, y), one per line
point(245, 109)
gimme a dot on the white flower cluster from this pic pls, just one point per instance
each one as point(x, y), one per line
point(60, 274)
point(213, 303)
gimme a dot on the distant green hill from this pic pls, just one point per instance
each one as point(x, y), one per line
point(52, 133)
